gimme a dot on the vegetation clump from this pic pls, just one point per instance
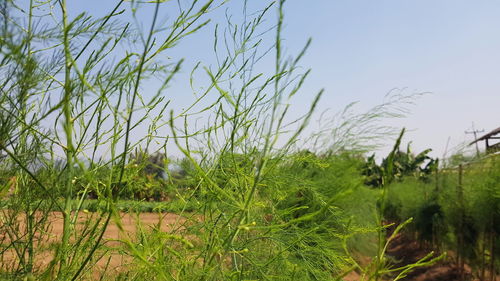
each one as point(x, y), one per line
point(248, 203)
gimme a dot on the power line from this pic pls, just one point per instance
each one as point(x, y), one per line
point(474, 132)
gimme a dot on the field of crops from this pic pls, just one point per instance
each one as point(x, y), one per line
point(89, 191)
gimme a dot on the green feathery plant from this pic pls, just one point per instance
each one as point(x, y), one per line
point(250, 207)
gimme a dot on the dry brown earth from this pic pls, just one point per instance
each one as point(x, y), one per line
point(114, 260)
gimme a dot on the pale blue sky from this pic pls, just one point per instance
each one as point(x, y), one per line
point(363, 49)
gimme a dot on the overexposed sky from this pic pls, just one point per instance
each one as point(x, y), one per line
point(451, 49)
point(361, 50)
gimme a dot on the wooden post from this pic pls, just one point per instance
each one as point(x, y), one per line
point(483, 256)
point(460, 234)
point(435, 242)
point(492, 254)
point(437, 181)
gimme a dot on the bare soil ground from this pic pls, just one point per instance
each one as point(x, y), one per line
point(403, 249)
point(113, 260)
point(407, 251)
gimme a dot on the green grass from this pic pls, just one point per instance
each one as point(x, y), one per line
point(132, 206)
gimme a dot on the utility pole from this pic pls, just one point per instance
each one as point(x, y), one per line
point(474, 132)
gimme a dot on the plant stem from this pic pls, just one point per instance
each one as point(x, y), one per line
point(68, 129)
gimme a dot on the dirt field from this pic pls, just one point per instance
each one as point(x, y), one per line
point(112, 236)
point(402, 249)
point(407, 251)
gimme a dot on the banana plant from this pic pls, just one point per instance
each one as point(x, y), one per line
point(399, 164)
